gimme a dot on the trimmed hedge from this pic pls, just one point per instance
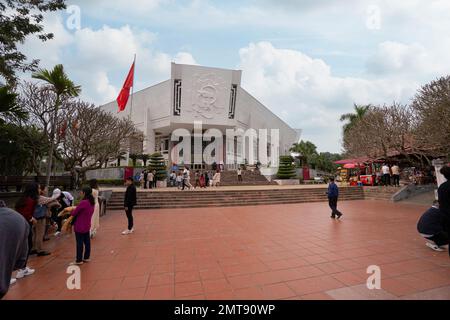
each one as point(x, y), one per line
point(286, 170)
point(158, 164)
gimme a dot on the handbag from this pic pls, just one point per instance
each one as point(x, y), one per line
point(40, 212)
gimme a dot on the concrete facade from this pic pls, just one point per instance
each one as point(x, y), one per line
point(194, 93)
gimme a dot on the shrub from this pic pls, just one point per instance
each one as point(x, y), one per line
point(158, 164)
point(286, 170)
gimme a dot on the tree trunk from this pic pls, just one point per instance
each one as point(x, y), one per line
point(52, 144)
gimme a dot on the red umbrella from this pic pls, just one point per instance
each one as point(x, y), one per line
point(353, 165)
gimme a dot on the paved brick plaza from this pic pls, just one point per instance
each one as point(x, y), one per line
point(256, 252)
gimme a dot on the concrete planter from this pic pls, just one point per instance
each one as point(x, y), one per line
point(287, 182)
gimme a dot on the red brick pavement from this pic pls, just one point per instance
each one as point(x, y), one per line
point(255, 252)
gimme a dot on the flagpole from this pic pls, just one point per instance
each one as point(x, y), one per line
point(131, 107)
point(132, 88)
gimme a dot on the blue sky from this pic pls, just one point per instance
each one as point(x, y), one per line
point(308, 61)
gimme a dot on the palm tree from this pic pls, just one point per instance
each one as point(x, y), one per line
point(134, 157)
point(353, 118)
point(144, 157)
point(9, 109)
point(63, 88)
point(120, 156)
point(307, 151)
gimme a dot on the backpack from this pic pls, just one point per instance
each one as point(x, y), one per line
point(40, 212)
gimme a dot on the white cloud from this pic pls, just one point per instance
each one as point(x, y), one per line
point(305, 93)
point(99, 59)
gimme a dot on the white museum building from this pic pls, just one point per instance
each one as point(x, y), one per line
point(210, 96)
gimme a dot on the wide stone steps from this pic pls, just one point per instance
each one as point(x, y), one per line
point(249, 178)
point(193, 199)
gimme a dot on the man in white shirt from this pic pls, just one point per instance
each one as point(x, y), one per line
point(386, 174)
point(395, 175)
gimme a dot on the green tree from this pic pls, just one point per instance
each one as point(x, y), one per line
point(286, 170)
point(63, 88)
point(307, 150)
point(9, 109)
point(134, 157)
point(352, 118)
point(157, 163)
point(144, 157)
point(19, 19)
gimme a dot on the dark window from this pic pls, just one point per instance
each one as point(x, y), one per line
point(177, 97)
point(232, 107)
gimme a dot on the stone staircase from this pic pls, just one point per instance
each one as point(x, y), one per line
point(380, 193)
point(249, 178)
point(225, 198)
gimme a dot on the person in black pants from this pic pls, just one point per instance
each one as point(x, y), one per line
point(432, 226)
point(145, 179)
point(444, 197)
point(333, 194)
point(129, 202)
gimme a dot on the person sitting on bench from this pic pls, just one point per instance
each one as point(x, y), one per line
point(431, 226)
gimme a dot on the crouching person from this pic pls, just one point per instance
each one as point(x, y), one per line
point(431, 226)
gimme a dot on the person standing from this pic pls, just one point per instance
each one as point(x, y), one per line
point(129, 202)
point(239, 174)
point(202, 180)
point(444, 197)
point(179, 180)
point(146, 179)
point(82, 225)
point(386, 174)
point(154, 178)
point(14, 230)
point(95, 223)
point(26, 205)
point(150, 178)
point(333, 194)
point(395, 175)
point(173, 178)
point(197, 179)
point(40, 214)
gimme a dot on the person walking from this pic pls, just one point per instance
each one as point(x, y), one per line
point(395, 175)
point(95, 222)
point(129, 202)
point(14, 231)
point(216, 178)
point(82, 216)
point(239, 174)
point(444, 197)
point(26, 205)
point(186, 178)
point(333, 194)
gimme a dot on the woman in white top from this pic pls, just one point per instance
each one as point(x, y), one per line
point(216, 178)
point(95, 221)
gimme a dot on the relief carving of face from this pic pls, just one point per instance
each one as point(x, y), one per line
point(206, 93)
